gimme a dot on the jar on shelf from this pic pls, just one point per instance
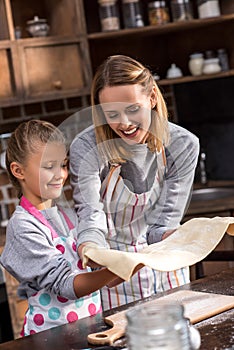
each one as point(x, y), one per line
point(223, 59)
point(132, 14)
point(109, 15)
point(195, 63)
point(208, 8)
point(158, 327)
point(211, 66)
point(181, 10)
point(158, 13)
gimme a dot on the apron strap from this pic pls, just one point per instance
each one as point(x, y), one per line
point(27, 205)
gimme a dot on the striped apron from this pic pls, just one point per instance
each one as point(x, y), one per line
point(126, 213)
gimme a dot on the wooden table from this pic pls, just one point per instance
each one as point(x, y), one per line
point(216, 332)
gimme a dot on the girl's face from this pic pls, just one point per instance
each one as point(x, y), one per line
point(128, 111)
point(44, 174)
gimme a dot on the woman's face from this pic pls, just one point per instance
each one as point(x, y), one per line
point(128, 111)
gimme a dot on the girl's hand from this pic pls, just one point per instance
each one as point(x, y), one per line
point(85, 261)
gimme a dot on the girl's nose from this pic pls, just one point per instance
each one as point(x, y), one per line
point(59, 173)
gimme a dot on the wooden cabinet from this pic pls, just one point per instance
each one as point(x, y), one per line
point(61, 65)
point(43, 68)
point(159, 46)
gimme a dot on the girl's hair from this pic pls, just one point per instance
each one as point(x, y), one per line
point(25, 140)
point(120, 70)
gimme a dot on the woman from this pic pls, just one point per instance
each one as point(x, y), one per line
point(131, 173)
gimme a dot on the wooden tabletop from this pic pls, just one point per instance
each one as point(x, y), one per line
point(216, 333)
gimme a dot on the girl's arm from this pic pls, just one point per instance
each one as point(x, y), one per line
point(89, 282)
point(86, 283)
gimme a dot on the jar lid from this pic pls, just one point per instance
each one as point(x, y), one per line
point(129, 1)
point(211, 60)
point(156, 4)
point(36, 20)
point(196, 55)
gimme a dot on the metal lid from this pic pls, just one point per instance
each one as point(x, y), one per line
point(37, 20)
point(156, 4)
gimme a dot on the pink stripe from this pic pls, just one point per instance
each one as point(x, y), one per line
point(139, 277)
point(26, 204)
point(169, 281)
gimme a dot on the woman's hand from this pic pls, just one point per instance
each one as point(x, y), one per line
point(167, 234)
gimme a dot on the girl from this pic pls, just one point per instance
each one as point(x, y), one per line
point(131, 173)
point(40, 250)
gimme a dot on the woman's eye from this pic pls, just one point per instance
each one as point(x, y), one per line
point(133, 109)
point(112, 115)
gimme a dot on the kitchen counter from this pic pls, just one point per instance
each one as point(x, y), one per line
point(219, 206)
point(216, 332)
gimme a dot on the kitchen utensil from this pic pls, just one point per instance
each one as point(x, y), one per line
point(198, 306)
point(38, 27)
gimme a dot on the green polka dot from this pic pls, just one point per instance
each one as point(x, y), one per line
point(44, 299)
point(95, 297)
point(54, 313)
point(63, 239)
point(31, 309)
point(79, 302)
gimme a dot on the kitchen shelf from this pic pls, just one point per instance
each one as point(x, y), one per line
point(163, 29)
point(189, 79)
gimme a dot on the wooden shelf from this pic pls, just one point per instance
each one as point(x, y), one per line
point(163, 29)
point(189, 79)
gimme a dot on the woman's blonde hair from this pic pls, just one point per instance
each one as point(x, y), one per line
point(123, 70)
point(25, 140)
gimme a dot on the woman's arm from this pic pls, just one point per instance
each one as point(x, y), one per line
point(86, 184)
point(182, 155)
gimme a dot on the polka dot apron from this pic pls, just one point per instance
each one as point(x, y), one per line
point(46, 309)
point(126, 217)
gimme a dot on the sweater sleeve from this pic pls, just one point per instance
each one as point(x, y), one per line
point(181, 155)
point(86, 184)
point(31, 257)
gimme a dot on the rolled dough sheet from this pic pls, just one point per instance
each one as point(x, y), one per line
point(189, 244)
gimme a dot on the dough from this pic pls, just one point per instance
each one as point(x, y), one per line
point(190, 243)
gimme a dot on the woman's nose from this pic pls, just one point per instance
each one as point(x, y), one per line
point(124, 121)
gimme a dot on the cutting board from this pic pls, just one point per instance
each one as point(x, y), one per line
point(198, 306)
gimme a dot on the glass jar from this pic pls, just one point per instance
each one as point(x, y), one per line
point(223, 59)
point(211, 66)
point(158, 13)
point(181, 10)
point(196, 63)
point(109, 15)
point(208, 8)
point(132, 15)
point(155, 327)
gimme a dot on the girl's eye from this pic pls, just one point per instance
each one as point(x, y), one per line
point(65, 163)
point(48, 167)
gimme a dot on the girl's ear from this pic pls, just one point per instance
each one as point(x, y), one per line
point(17, 170)
point(153, 97)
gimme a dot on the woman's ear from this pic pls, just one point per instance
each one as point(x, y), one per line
point(153, 97)
point(17, 170)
